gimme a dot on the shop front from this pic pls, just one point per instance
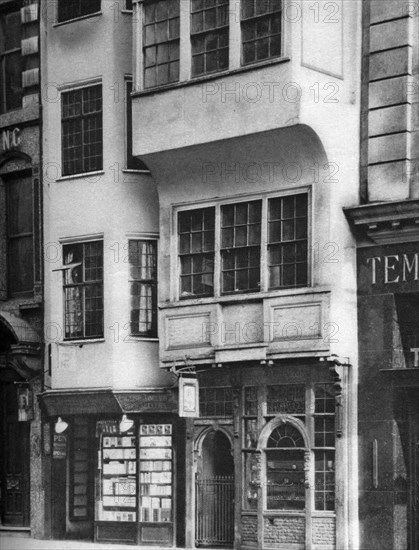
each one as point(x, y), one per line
point(266, 460)
point(116, 468)
point(388, 298)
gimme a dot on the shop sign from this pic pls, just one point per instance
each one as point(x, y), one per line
point(59, 447)
point(147, 402)
point(10, 139)
point(24, 404)
point(188, 397)
point(388, 269)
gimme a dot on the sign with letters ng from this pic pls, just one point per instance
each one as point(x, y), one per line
point(10, 139)
point(388, 269)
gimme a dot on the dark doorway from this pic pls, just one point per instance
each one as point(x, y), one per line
point(14, 461)
point(214, 491)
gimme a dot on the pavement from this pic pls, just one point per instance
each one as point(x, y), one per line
point(19, 542)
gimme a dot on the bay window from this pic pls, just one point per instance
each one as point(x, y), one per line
point(233, 258)
point(196, 252)
point(261, 26)
point(223, 35)
point(161, 42)
point(83, 290)
point(143, 281)
point(240, 246)
point(209, 35)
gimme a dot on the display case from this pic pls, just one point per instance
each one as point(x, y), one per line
point(156, 483)
point(134, 495)
point(117, 488)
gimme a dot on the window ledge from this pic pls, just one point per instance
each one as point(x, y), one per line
point(207, 77)
point(135, 338)
point(135, 171)
point(87, 16)
point(82, 342)
point(81, 175)
point(30, 305)
point(254, 297)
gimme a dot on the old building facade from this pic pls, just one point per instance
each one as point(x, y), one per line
point(21, 481)
point(101, 230)
point(386, 226)
point(238, 110)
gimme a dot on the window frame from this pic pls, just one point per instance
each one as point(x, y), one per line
point(82, 285)
point(4, 54)
point(267, 422)
point(80, 15)
point(153, 332)
point(82, 117)
point(247, 20)
point(159, 43)
point(218, 293)
point(8, 181)
point(217, 30)
point(234, 45)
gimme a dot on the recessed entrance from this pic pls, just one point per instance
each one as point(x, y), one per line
point(14, 470)
point(214, 491)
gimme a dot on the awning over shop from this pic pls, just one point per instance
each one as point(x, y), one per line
point(109, 402)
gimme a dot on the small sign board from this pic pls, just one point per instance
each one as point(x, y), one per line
point(188, 397)
point(59, 448)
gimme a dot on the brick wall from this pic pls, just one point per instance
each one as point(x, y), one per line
point(284, 530)
point(249, 531)
point(324, 531)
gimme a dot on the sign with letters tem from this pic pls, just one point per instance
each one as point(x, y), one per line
point(389, 269)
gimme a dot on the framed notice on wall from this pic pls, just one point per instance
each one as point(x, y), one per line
point(188, 397)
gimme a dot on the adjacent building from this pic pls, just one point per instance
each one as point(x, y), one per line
point(386, 224)
point(101, 243)
point(21, 328)
point(238, 111)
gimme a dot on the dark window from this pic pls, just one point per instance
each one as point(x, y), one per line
point(261, 27)
point(196, 252)
point(285, 474)
point(240, 246)
point(83, 290)
point(82, 130)
point(209, 36)
point(10, 62)
point(20, 235)
point(128, 5)
point(161, 42)
point(287, 241)
point(132, 162)
point(143, 282)
point(71, 9)
point(324, 441)
point(287, 399)
point(216, 402)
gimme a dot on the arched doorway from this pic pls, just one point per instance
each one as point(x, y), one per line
point(214, 492)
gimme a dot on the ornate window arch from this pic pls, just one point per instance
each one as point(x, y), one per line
point(285, 447)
